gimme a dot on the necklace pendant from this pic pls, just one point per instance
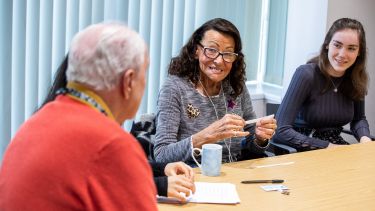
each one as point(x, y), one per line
point(335, 89)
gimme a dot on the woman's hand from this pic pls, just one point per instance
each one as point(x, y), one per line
point(179, 168)
point(265, 129)
point(229, 126)
point(365, 139)
point(180, 187)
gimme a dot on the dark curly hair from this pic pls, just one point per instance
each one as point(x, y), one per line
point(355, 82)
point(186, 65)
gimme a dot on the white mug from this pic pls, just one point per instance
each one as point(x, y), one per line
point(210, 157)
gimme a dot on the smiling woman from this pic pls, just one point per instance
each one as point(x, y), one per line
point(208, 77)
point(328, 93)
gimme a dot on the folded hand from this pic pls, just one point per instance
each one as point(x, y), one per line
point(180, 187)
point(265, 128)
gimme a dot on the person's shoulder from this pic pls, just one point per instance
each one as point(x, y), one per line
point(173, 82)
point(122, 141)
point(307, 71)
point(173, 79)
point(308, 68)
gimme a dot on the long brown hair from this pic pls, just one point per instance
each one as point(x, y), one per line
point(355, 81)
point(186, 65)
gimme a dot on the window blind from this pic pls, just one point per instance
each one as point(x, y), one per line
point(35, 36)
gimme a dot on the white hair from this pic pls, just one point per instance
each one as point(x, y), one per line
point(101, 52)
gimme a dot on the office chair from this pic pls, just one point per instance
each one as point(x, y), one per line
point(346, 131)
point(281, 149)
point(277, 148)
point(144, 131)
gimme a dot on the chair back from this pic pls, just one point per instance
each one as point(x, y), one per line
point(276, 148)
point(144, 131)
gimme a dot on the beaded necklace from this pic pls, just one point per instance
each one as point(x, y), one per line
point(217, 116)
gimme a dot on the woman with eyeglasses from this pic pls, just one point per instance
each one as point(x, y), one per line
point(204, 100)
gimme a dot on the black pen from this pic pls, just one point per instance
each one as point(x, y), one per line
point(263, 181)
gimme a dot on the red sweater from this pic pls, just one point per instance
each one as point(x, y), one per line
point(69, 156)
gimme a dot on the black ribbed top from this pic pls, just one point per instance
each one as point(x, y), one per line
point(304, 105)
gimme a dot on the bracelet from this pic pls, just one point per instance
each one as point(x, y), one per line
point(263, 142)
point(191, 141)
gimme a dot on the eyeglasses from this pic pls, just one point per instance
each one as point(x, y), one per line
point(212, 53)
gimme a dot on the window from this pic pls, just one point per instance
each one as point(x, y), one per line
point(276, 41)
point(268, 82)
point(35, 36)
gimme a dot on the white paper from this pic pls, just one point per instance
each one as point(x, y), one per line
point(206, 192)
point(218, 193)
point(274, 187)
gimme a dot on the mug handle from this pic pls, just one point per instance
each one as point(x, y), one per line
point(193, 153)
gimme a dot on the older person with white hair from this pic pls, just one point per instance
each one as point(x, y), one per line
point(73, 153)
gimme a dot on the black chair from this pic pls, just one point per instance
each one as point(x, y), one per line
point(277, 148)
point(349, 132)
point(281, 149)
point(144, 131)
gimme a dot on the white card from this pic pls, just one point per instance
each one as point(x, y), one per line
point(274, 187)
point(252, 121)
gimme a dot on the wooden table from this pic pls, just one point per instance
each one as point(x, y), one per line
point(340, 178)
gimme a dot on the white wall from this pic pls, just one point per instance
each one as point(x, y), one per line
point(306, 28)
point(363, 11)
